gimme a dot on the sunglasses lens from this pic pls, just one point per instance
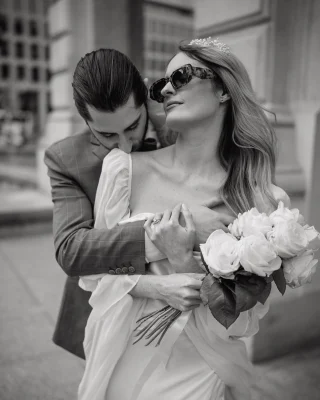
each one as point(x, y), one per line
point(181, 77)
point(155, 90)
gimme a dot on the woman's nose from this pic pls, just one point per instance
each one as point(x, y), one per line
point(168, 89)
point(125, 144)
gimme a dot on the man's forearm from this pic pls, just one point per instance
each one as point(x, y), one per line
point(93, 251)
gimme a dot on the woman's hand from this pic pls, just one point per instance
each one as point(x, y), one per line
point(171, 238)
point(180, 291)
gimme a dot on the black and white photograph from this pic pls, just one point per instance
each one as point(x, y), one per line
point(159, 195)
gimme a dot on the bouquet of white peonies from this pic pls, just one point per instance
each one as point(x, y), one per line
point(258, 250)
point(242, 264)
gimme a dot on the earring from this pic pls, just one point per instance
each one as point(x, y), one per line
point(221, 100)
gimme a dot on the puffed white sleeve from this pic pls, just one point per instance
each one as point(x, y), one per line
point(112, 200)
point(114, 190)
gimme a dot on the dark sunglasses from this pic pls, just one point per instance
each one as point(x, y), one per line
point(180, 77)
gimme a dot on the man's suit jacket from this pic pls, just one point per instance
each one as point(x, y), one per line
point(74, 167)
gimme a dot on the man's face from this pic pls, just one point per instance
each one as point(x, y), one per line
point(125, 128)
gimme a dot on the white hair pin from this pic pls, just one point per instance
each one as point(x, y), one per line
point(209, 42)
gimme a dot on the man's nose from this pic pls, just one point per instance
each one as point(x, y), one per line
point(125, 144)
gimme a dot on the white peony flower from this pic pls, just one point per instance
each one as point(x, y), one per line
point(220, 252)
point(299, 270)
point(285, 214)
point(313, 237)
point(258, 256)
point(288, 238)
point(250, 223)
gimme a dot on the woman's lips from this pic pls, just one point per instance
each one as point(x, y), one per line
point(172, 106)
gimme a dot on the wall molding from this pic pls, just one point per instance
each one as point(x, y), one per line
point(248, 21)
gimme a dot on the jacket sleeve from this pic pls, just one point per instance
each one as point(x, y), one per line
point(80, 249)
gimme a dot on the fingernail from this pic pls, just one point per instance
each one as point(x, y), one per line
point(184, 207)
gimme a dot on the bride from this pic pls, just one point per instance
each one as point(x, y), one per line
point(224, 155)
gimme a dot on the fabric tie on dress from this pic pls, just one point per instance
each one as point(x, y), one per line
point(163, 353)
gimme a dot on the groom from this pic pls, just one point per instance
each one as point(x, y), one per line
point(111, 96)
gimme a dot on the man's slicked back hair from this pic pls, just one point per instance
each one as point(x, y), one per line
point(105, 79)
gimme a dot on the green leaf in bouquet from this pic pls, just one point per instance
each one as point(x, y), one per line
point(254, 284)
point(262, 298)
point(243, 272)
point(244, 299)
point(279, 280)
point(258, 288)
point(220, 299)
point(203, 261)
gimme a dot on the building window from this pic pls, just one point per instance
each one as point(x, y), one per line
point(17, 5)
point(3, 24)
point(21, 72)
point(46, 29)
point(35, 74)
point(49, 106)
point(153, 26)
point(18, 26)
point(33, 28)
point(32, 6)
point(48, 75)
point(34, 51)
point(47, 52)
point(5, 71)
point(4, 48)
point(19, 50)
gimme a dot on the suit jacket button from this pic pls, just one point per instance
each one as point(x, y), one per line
point(125, 270)
point(118, 271)
point(111, 271)
point(132, 270)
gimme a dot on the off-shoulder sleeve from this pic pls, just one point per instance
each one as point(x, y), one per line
point(114, 190)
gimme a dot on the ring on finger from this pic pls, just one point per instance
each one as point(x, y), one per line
point(156, 221)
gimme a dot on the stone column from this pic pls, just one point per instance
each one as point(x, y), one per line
point(77, 27)
point(277, 40)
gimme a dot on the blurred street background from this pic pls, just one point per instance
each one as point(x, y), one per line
point(41, 42)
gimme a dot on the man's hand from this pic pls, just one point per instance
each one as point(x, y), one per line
point(206, 221)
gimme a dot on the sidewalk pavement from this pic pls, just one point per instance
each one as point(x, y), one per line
point(33, 368)
point(23, 208)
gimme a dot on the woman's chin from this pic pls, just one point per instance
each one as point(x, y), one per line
point(176, 121)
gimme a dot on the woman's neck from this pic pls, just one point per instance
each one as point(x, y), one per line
point(195, 151)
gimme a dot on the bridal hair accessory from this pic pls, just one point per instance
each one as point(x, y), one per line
point(209, 42)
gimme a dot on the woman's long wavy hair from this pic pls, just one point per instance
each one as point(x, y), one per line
point(247, 143)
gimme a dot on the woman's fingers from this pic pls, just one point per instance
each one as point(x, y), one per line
point(148, 225)
point(157, 218)
point(188, 218)
point(176, 214)
point(166, 216)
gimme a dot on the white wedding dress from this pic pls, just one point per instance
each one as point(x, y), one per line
point(198, 358)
